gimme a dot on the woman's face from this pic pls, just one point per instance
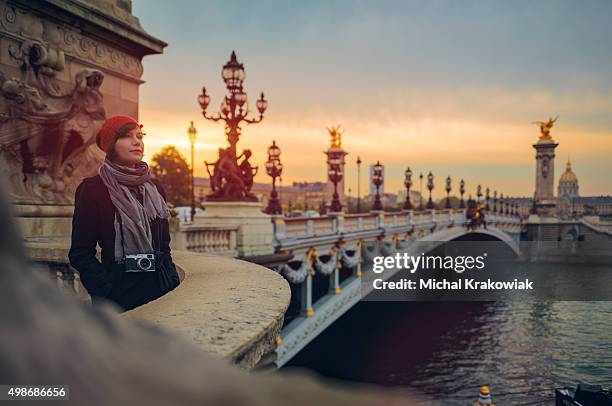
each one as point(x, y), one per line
point(130, 148)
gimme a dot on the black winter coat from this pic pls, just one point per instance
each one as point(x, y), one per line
point(93, 223)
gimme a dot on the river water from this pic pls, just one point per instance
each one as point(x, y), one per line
point(446, 350)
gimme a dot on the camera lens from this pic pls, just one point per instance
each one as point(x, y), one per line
point(144, 263)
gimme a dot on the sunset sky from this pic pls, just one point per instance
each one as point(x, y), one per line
point(445, 86)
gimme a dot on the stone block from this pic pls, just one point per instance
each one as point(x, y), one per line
point(129, 91)
point(255, 229)
point(111, 85)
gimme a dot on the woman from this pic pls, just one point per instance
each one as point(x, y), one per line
point(124, 211)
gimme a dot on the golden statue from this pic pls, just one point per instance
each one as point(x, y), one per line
point(545, 127)
point(336, 136)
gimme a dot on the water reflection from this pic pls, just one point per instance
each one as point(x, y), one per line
point(521, 349)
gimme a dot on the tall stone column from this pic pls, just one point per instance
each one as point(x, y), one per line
point(335, 153)
point(545, 201)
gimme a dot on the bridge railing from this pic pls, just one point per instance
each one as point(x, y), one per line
point(332, 236)
point(219, 240)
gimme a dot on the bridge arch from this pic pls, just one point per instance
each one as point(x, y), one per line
point(450, 234)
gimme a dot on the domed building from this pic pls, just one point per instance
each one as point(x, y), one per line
point(571, 204)
point(568, 183)
point(567, 191)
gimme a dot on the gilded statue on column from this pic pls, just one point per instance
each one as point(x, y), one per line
point(336, 136)
point(545, 127)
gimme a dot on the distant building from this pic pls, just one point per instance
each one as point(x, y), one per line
point(415, 198)
point(571, 204)
point(300, 194)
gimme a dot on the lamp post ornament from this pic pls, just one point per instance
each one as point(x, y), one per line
point(408, 184)
point(487, 197)
point(192, 132)
point(447, 205)
point(430, 186)
point(230, 180)
point(377, 179)
point(478, 193)
point(421, 191)
point(462, 192)
point(274, 168)
point(495, 201)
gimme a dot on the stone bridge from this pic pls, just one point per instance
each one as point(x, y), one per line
point(342, 247)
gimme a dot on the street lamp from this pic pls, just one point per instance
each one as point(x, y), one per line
point(274, 168)
point(487, 197)
point(192, 132)
point(495, 201)
point(377, 179)
point(421, 191)
point(231, 181)
point(408, 184)
point(478, 194)
point(447, 205)
point(501, 203)
point(462, 192)
point(430, 186)
point(358, 185)
point(517, 211)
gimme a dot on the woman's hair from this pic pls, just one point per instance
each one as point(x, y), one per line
point(121, 133)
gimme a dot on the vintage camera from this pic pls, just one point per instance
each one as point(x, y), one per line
point(139, 263)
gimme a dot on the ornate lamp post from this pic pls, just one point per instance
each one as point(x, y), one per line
point(348, 201)
point(408, 184)
point(430, 186)
point(358, 185)
point(231, 181)
point(501, 203)
point(192, 132)
point(334, 170)
point(462, 192)
point(448, 189)
point(377, 179)
point(274, 168)
point(487, 198)
point(495, 201)
point(478, 194)
point(421, 191)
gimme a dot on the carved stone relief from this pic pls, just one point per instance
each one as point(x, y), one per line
point(47, 131)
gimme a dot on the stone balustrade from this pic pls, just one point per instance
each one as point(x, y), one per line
point(220, 240)
point(230, 308)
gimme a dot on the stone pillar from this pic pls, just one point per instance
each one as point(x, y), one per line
point(255, 228)
point(545, 177)
point(338, 153)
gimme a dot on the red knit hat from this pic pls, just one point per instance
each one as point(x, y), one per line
point(110, 129)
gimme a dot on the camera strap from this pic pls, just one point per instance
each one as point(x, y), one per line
point(118, 217)
point(156, 233)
